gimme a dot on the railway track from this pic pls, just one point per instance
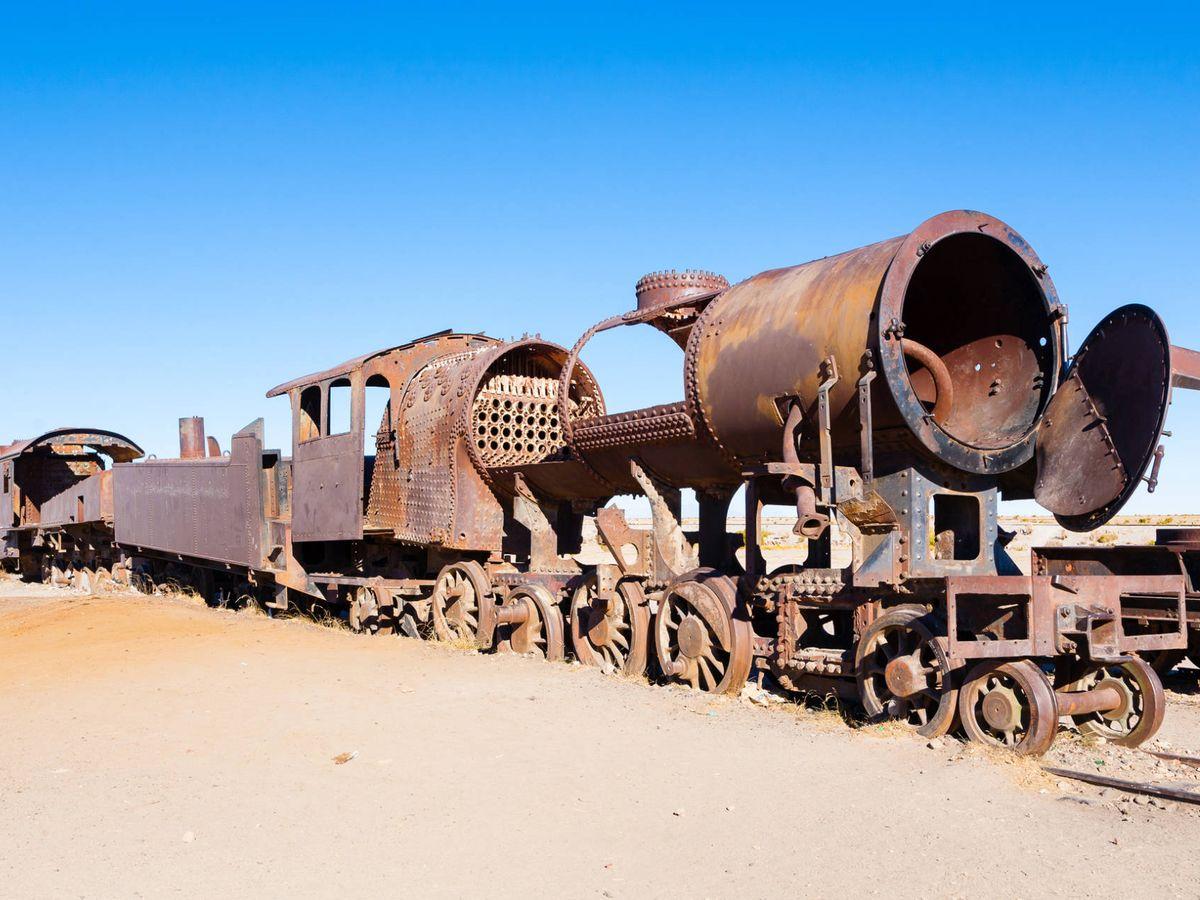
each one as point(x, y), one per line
point(1131, 786)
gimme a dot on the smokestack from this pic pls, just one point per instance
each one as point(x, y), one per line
point(191, 438)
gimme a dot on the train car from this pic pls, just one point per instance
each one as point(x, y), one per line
point(56, 505)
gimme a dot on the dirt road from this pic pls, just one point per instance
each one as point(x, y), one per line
point(152, 747)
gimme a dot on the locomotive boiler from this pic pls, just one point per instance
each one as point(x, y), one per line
point(892, 395)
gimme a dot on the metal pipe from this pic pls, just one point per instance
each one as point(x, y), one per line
point(942, 382)
point(191, 438)
point(809, 523)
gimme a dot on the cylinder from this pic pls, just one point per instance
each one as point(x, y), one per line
point(958, 317)
point(191, 438)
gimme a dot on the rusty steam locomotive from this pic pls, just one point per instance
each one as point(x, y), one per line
point(894, 393)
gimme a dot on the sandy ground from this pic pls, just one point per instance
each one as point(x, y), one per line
point(153, 747)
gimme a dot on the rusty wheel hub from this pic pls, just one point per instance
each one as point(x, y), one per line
point(600, 630)
point(1121, 713)
point(530, 622)
point(693, 637)
point(700, 639)
point(1002, 709)
point(1011, 705)
point(905, 676)
point(462, 607)
point(611, 634)
point(1139, 712)
point(903, 672)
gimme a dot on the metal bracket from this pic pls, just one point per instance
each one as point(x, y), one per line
point(672, 550)
point(543, 539)
point(615, 533)
point(867, 464)
point(825, 424)
point(1152, 481)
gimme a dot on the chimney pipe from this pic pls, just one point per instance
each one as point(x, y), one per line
point(191, 438)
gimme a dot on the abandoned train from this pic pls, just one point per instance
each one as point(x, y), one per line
point(894, 393)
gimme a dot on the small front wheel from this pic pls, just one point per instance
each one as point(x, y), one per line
point(1139, 714)
point(1009, 705)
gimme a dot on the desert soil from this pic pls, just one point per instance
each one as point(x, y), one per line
point(154, 747)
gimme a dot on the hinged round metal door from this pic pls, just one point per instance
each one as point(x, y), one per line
point(1102, 426)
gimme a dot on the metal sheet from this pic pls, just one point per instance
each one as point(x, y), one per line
point(1102, 428)
point(205, 508)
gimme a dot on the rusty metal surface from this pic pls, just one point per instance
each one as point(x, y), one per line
point(1045, 616)
point(1009, 705)
point(894, 391)
point(765, 339)
point(440, 497)
point(1101, 430)
point(209, 509)
point(89, 500)
point(192, 444)
point(116, 446)
point(700, 637)
point(1185, 368)
point(43, 480)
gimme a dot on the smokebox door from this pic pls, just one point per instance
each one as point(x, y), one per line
point(1102, 426)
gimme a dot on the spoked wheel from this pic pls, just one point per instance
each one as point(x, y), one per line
point(699, 638)
point(1009, 705)
point(103, 581)
point(531, 624)
point(411, 624)
point(366, 604)
point(1140, 712)
point(463, 609)
point(903, 672)
point(613, 634)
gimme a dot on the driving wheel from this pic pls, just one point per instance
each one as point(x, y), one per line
point(700, 638)
point(463, 609)
point(612, 634)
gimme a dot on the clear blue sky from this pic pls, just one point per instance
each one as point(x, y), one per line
point(195, 206)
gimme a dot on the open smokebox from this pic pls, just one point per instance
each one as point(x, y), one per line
point(977, 339)
point(971, 338)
